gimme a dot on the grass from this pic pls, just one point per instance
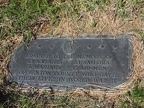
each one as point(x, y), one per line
point(140, 33)
point(35, 100)
point(25, 18)
point(134, 99)
point(21, 17)
point(5, 47)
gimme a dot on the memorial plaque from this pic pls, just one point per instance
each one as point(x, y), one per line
point(62, 63)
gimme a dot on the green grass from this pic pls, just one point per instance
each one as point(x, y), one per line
point(34, 99)
point(134, 99)
point(21, 16)
point(140, 33)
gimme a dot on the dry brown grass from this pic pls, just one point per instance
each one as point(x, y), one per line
point(108, 23)
point(7, 47)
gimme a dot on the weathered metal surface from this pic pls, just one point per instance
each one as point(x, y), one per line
point(61, 63)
